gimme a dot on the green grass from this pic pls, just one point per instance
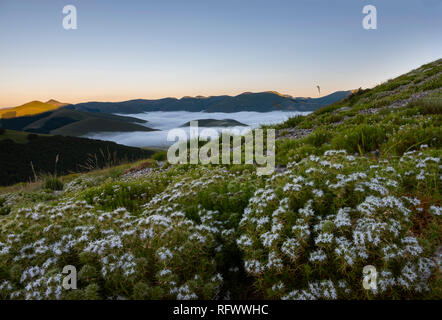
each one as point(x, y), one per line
point(428, 106)
point(291, 122)
point(359, 139)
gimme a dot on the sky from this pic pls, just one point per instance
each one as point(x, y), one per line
point(124, 50)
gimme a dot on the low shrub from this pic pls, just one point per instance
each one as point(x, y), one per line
point(431, 84)
point(4, 209)
point(318, 138)
point(291, 122)
point(120, 194)
point(427, 106)
point(160, 156)
point(411, 137)
point(53, 183)
point(360, 139)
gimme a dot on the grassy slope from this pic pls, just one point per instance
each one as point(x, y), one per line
point(30, 108)
point(216, 231)
point(392, 118)
point(99, 125)
point(79, 116)
point(215, 123)
point(74, 123)
point(17, 136)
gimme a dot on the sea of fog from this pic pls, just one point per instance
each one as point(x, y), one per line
point(165, 121)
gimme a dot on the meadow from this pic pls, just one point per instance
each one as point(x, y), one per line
point(356, 183)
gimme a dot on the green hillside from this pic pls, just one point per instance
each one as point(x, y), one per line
point(357, 183)
point(86, 126)
point(74, 123)
point(216, 123)
point(17, 136)
point(30, 108)
point(26, 156)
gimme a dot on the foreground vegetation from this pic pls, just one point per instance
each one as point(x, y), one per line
point(361, 187)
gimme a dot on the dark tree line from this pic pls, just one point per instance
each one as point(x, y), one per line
point(21, 162)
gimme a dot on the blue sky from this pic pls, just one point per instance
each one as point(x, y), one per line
point(151, 49)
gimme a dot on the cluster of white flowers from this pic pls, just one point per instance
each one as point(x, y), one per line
point(436, 210)
point(115, 240)
point(124, 263)
point(318, 256)
point(316, 290)
point(253, 266)
point(303, 235)
point(374, 227)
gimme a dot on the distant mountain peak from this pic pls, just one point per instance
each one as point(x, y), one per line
point(31, 108)
point(50, 101)
point(268, 92)
point(56, 103)
point(195, 97)
point(280, 94)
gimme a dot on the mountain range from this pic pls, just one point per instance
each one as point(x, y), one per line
point(258, 102)
point(54, 117)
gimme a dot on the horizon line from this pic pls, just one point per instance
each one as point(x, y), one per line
point(178, 98)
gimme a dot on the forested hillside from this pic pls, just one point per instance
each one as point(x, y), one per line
point(31, 156)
